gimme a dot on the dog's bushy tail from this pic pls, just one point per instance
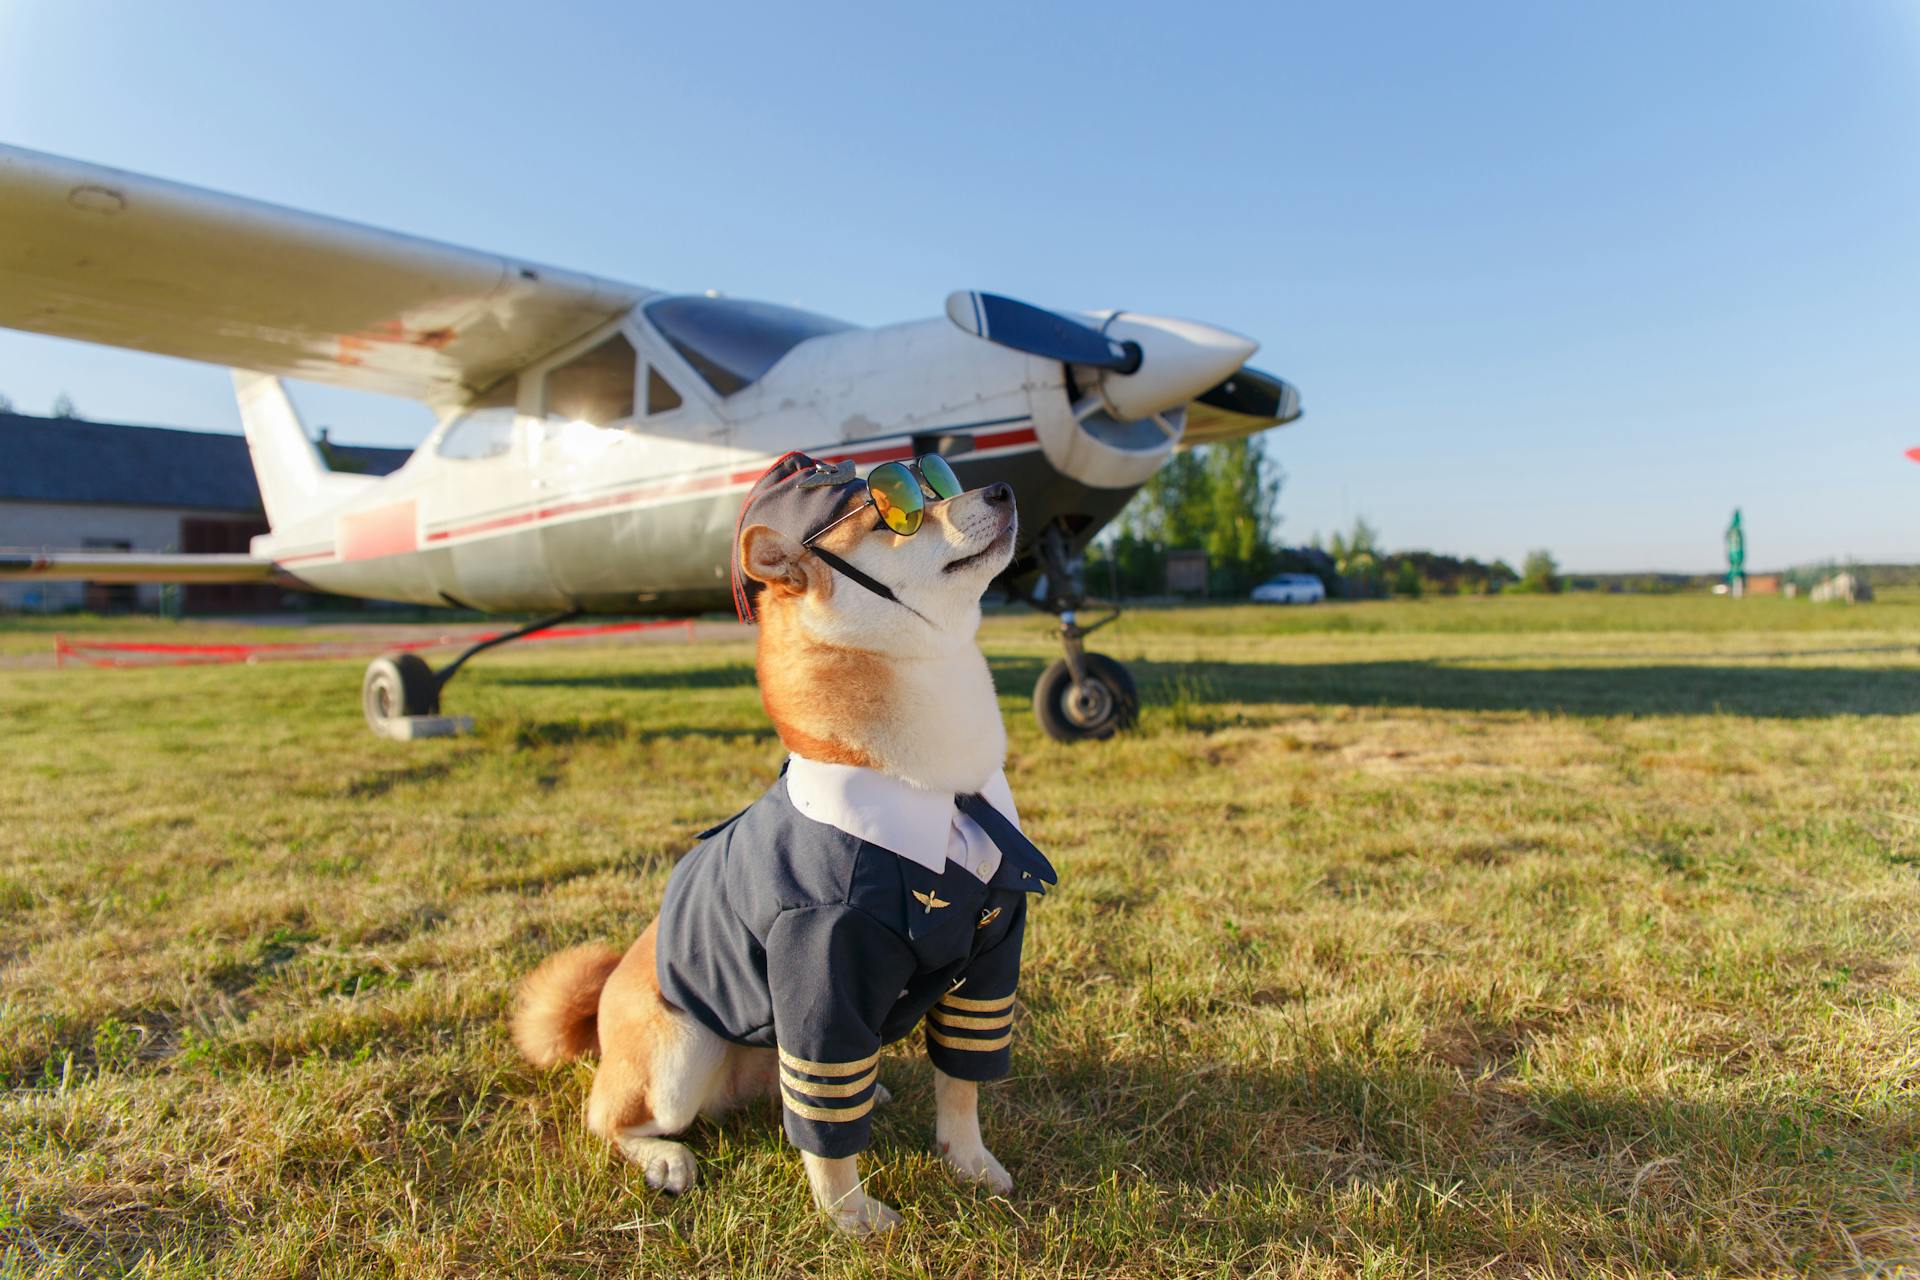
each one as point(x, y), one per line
point(556, 1014)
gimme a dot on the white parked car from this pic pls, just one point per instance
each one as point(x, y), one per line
point(1290, 588)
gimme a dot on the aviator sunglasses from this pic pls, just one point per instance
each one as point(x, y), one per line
point(899, 492)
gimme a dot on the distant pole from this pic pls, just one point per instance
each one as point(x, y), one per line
point(1736, 557)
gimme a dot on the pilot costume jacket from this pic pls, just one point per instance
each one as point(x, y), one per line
point(833, 915)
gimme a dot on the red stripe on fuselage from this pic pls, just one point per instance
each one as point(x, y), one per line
point(641, 494)
point(1001, 439)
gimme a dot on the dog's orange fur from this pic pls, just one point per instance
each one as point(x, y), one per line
point(557, 1016)
point(813, 691)
point(631, 1007)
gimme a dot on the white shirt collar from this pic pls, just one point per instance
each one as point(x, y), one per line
point(923, 827)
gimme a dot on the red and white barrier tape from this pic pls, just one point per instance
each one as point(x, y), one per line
point(144, 654)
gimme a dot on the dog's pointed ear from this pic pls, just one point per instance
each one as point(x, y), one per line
point(769, 556)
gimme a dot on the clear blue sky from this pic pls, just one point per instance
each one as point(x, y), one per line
point(1574, 276)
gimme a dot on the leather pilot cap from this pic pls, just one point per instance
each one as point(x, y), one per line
point(796, 496)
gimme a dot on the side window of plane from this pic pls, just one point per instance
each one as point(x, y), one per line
point(482, 433)
point(661, 397)
point(595, 386)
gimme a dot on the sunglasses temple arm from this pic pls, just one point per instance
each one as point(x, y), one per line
point(833, 524)
point(872, 584)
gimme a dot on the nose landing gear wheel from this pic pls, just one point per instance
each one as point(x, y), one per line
point(398, 685)
point(1101, 705)
point(1082, 697)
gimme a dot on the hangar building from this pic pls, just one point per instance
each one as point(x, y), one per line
point(67, 484)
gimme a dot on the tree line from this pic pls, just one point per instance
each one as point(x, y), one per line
point(1223, 499)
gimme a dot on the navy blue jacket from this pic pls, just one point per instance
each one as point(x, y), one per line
point(786, 933)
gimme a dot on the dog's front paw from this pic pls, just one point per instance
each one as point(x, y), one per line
point(667, 1166)
point(836, 1189)
point(861, 1215)
point(672, 1171)
point(977, 1164)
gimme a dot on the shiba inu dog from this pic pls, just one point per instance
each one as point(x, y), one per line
point(881, 881)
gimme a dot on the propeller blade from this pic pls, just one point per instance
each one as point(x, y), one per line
point(1039, 332)
point(1255, 395)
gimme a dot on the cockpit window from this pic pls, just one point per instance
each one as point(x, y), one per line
point(731, 342)
point(595, 386)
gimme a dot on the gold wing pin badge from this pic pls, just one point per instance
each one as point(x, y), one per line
point(930, 900)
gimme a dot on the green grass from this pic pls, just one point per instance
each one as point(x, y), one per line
point(1455, 937)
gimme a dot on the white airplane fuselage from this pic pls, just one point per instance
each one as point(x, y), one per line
point(637, 513)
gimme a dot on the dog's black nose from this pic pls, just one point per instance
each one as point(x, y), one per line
point(1000, 495)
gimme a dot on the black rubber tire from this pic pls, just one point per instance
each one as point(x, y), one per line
point(396, 685)
point(1108, 702)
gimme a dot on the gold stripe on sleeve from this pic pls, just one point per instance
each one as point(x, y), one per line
point(846, 1090)
point(829, 1114)
point(976, 1006)
point(946, 1019)
point(829, 1068)
point(976, 1046)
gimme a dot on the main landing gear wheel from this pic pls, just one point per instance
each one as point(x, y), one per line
point(1100, 705)
point(1083, 696)
point(401, 692)
point(398, 685)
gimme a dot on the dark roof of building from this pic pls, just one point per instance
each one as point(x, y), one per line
point(73, 460)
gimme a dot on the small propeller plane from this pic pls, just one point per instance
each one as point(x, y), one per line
point(594, 439)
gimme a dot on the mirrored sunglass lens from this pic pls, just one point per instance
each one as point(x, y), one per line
point(940, 477)
point(896, 495)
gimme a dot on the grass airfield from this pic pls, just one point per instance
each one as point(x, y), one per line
point(1451, 937)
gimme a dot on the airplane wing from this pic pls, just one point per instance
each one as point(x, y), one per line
point(107, 256)
point(1247, 402)
point(132, 566)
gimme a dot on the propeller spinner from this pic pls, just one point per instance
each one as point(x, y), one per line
point(1140, 367)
